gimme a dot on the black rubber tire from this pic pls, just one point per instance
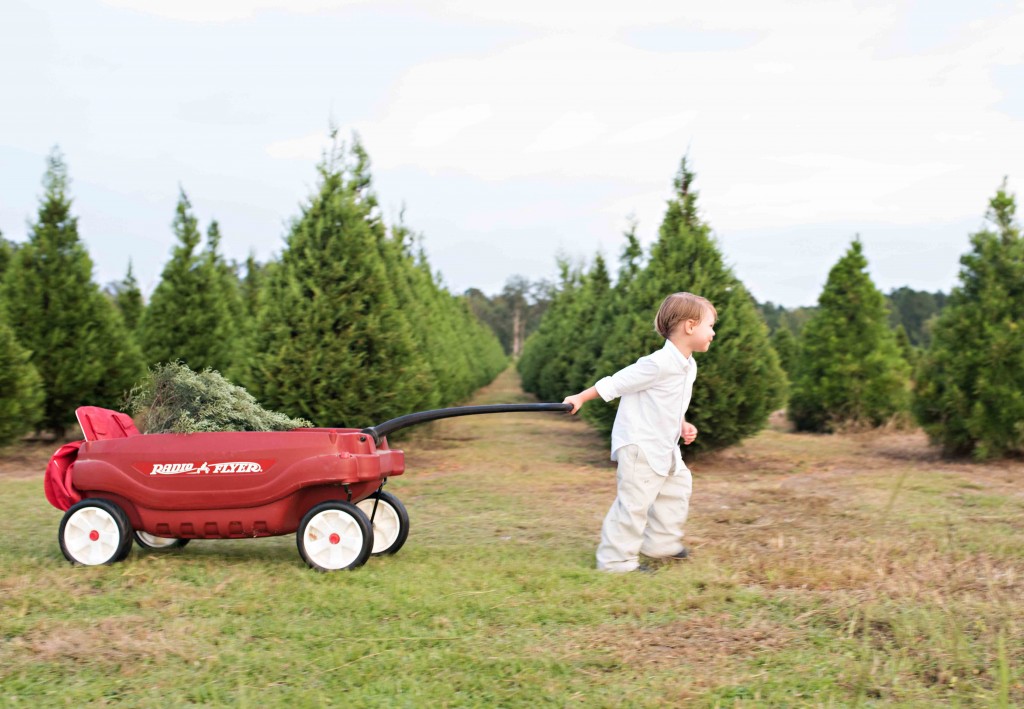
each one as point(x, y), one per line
point(348, 522)
point(120, 544)
point(385, 501)
point(174, 543)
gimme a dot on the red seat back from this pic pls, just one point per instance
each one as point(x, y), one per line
point(99, 424)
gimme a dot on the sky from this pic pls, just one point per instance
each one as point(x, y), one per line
point(513, 134)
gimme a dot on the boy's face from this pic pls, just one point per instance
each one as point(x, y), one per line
point(700, 334)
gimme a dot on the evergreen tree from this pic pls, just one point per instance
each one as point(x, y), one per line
point(420, 387)
point(473, 356)
point(227, 291)
point(21, 389)
point(548, 354)
point(786, 347)
point(631, 261)
point(594, 310)
point(7, 249)
point(739, 381)
point(79, 343)
point(778, 316)
point(969, 395)
point(561, 356)
point(429, 358)
point(772, 315)
point(613, 349)
point(850, 368)
point(250, 296)
point(910, 354)
point(128, 299)
point(193, 314)
point(252, 285)
point(332, 345)
point(913, 310)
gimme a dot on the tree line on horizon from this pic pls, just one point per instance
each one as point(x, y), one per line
point(515, 312)
point(857, 359)
point(348, 326)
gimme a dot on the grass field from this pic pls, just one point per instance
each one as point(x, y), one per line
point(845, 570)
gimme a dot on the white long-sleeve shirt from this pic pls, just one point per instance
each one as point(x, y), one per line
point(655, 393)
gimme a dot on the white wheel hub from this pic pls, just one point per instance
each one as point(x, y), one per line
point(92, 536)
point(386, 523)
point(332, 539)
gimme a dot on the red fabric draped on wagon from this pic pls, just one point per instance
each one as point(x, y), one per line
point(57, 483)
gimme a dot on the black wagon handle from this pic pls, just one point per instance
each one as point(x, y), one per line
point(382, 429)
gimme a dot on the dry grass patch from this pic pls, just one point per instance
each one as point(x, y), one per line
point(115, 640)
point(682, 659)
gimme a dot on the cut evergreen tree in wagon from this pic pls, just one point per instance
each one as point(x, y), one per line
point(195, 481)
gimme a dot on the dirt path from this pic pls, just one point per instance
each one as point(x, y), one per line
point(25, 460)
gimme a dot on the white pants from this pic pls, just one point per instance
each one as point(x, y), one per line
point(648, 514)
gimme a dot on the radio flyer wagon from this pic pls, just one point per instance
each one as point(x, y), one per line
point(164, 489)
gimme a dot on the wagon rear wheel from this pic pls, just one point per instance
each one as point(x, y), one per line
point(390, 522)
point(155, 543)
point(334, 536)
point(94, 532)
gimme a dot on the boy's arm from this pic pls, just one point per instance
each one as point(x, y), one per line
point(635, 377)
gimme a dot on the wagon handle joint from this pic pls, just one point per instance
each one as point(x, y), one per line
point(381, 430)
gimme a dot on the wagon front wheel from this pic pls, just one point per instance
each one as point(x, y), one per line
point(334, 536)
point(94, 532)
point(390, 522)
point(155, 543)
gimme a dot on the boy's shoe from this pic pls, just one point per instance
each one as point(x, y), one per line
point(680, 555)
point(645, 569)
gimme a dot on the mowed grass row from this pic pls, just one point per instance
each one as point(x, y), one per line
point(826, 571)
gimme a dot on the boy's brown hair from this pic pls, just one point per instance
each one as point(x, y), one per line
point(680, 307)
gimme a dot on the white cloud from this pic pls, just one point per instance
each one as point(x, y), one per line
point(212, 11)
point(866, 135)
point(654, 129)
point(774, 67)
point(855, 189)
point(440, 127)
point(573, 129)
point(307, 147)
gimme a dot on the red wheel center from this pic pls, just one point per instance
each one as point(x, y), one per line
point(334, 538)
point(94, 535)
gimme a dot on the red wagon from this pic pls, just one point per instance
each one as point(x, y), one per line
point(162, 490)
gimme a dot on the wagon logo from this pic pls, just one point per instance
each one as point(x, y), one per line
point(205, 468)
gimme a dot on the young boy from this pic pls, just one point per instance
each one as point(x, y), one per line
point(653, 483)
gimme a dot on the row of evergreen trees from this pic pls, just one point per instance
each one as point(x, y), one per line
point(913, 311)
point(912, 315)
point(964, 389)
point(347, 327)
point(848, 363)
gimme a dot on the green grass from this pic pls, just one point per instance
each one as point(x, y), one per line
point(827, 571)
